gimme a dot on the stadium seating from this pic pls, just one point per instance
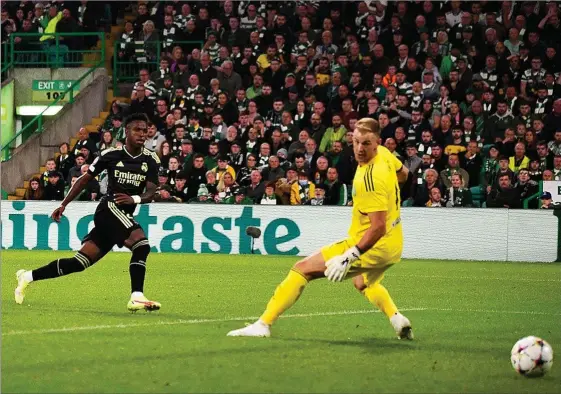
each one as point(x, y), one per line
point(388, 71)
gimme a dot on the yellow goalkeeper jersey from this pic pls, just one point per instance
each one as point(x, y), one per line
point(375, 188)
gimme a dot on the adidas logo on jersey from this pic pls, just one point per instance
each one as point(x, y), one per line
point(120, 164)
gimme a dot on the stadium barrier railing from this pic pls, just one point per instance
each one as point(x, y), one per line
point(533, 197)
point(54, 52)
point(6, 60)
point(36, 125)
point(126, 70)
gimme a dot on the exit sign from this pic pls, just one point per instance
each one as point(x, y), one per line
point(46, 91)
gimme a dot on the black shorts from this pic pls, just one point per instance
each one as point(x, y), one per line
point(112, 226)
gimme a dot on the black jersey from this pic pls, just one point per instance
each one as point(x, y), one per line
point(126, 173)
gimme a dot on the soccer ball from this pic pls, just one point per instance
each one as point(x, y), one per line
point(531, 356)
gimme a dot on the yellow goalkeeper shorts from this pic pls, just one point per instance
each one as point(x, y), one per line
point(373, 263)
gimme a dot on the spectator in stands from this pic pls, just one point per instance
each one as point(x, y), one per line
point(173, 169)
point(27, 44)
point(269, 197)
point(211, 184)
point(64, 160)
point(88, 156)
point(525, 186)
point(504, 196)
point(50, 166)
point(435, 198)
point(504, 169)
point(555, 145)
point(75, 171)
point(546, 201)
point(141, 103)
point(150, 38)
point(256, 188)
point(165, 194)
point(230, 81)
point(222, 168)
point(54, 190)
point(92, 190)
point(117, 130)
point(67, 24)
point(106, 142)
point(226, 188)
point(164, 153)
point(424, 187)
point(154, 139)
point(452, 168)
point(48, 39)
point(519, 160)
point(35, 190)
point(335, 191)
point(196, 176)
point(557, 167)
point(179, 191)
point(303, 190)
point(84, 139)
point(473, 163)
point(272, 171)
point(319, 195)
point(457, 194)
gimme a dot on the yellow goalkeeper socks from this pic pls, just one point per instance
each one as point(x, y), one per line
point(286, 295)
point(379, 296)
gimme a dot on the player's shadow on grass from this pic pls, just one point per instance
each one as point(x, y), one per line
point(368, 343)
point(124, 313)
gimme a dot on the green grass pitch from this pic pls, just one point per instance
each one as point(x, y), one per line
point(74, 334)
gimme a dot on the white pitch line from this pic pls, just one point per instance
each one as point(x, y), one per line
point(193, 321)
point(251, 318)
point(493, 311)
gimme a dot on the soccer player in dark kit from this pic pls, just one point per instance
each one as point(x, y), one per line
point(132, 174)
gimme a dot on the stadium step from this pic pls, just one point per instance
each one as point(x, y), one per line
point(116, 31)
point(42, 169)
point(90, 59)
point(92, 128)
point(104, 115)
point(98, 121)
point(20, 192)
point(25, 184)
point(12, 197)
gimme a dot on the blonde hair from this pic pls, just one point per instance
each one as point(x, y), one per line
point(368, 125)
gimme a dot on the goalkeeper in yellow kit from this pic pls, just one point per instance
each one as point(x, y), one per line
point(374, 244)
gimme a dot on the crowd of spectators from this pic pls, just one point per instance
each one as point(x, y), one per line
point(467, 95)
point(43, 18)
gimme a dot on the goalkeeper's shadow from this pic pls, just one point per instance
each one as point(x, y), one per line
point(368, 343)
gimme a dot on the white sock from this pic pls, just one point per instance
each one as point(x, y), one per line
point(28, 276)
point(138, 294)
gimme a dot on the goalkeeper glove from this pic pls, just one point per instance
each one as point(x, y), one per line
point(338, 266)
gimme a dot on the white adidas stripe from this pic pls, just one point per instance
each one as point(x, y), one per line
point(119, 214)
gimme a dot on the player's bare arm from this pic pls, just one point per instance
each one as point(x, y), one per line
point(376, 231)
point(145, 198)
point(74, 191)
point(402, 174)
